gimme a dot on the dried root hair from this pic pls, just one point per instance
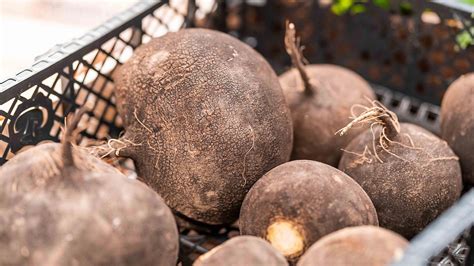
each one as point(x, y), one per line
point(112, 148)
point(379, 115)
point(376, 115)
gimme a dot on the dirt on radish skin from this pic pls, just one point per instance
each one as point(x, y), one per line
point(61, 206)
point(298, 202)
point(359, 245)
point(410, 174)
point(320, 99)
point(457, 122)
point(242, 250)
point(205, 117)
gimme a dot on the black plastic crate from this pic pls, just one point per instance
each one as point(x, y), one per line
point(34, 103)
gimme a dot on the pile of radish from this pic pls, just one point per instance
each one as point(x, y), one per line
point(211, 130)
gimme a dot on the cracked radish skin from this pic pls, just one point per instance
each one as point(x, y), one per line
point(205, 118)
point(298, 202)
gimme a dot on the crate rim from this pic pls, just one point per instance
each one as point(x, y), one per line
point(456, 5)
point(447, 226)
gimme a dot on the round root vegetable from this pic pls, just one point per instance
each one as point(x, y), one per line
point(410, 174)
point(205, 118)
point(242, 250)
point(320, 99)
point(360, 245)
point(297, 203)
point(61, 206)
point(457, 122)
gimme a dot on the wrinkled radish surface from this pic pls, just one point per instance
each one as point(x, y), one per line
point(205, 118)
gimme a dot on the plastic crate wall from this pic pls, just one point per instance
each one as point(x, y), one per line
point(34, 103)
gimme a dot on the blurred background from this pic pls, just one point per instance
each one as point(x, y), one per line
point(417, 47)
point(29, 28)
